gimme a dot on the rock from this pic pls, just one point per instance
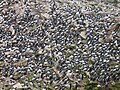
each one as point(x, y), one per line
point(112, 1)
point(40, 51)
point(12, 30)
point(17, 86)
point(83, 34)
point(118, 1)
point(100, 40)
point(98, 85)
point(1, 19)
point(46, 15)
point(118, 34)
point(17, 8)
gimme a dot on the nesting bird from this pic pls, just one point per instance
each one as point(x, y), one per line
point(61, 45)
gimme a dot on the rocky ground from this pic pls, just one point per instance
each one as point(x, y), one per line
point(59, 44)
